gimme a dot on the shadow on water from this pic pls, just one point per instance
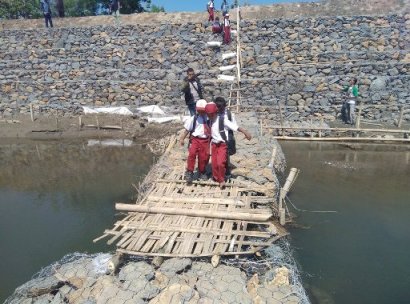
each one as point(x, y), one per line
point(359, 254)
point(56, 197)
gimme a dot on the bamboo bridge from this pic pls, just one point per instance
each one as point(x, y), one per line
point(172, 219)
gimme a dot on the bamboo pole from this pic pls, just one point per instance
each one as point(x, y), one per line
point(364, 139)
point(400, 117)
point(359, 115)
point(343, 129)
point(31, 112)
point(281, 118)
point(80, 123)
point(197, 200)
point(242, 216)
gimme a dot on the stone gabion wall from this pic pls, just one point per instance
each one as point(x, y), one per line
point(300, 63)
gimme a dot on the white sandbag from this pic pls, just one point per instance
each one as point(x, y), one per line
point(164, 119)
point(110, 142)
point(151, 110)
point(226, 77)
point(228, 55)
point(214, 43)
point(111, 110)
point(227, 67)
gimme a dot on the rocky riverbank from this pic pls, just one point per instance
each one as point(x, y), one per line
point(86, 279)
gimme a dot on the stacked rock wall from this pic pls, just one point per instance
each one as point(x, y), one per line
point(299, 63)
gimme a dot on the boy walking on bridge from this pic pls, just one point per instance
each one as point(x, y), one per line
point(219, 129)
point(200, 133)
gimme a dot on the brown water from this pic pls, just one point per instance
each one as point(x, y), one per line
point(361, 254)
point(55, 198)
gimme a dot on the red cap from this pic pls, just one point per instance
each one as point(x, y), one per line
point(211, 108)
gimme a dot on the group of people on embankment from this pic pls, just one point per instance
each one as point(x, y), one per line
point(223, 28)
point(210, 129)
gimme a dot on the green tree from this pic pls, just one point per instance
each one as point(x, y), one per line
point(157, 9)
point(12, 9)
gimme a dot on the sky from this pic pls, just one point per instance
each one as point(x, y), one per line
point(200, 5)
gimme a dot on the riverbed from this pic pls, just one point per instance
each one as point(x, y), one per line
point(56, 197)
point(360, 253)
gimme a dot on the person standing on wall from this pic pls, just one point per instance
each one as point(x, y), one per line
point(200, 133)
point(224, 8)
point(227, 29)
point(45, 8)
point(348, 107)
point(211, 10)
point(115, 10)
point(219, 144)
point(192, 89)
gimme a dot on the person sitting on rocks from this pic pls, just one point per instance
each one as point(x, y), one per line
point(348, 106)
point(200, 133)
point(45, 8)
point(219, 141)
point(227, 30)
point(192, 90)
point(211, 7)
point(216, 26)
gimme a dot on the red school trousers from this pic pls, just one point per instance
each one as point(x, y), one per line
point(227, 34)
point(211, 14)
point(199, 147)
point(219, 158)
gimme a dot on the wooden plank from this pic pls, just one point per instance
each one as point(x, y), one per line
point(201, 213)
point(360, 139)
point(197, 200)
point(125, 237)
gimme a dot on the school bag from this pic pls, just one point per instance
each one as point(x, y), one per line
point(230, 141)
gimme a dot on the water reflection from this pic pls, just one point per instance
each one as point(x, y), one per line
point(55, 197)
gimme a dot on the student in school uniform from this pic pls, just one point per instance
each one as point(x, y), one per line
point(219, 143)
point(216, 26)
point(227, 29)
point(211, 10)
point(200, 133)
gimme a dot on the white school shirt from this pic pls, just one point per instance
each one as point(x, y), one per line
point(199, 126)
point(193, 86)
point(229, 125)
point(227, 23)
point(211, 4)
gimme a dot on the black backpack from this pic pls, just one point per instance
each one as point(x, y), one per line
point(231, 138)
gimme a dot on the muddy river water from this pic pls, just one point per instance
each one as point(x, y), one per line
point(56, 197)
point(361, 254)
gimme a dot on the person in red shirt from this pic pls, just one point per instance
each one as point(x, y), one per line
point(200, 133)
point(218, 143)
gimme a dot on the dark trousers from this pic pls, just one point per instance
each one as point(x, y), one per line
point(47, 19)
point(191, 108)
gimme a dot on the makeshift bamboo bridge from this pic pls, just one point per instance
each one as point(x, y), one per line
point(172, 219)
